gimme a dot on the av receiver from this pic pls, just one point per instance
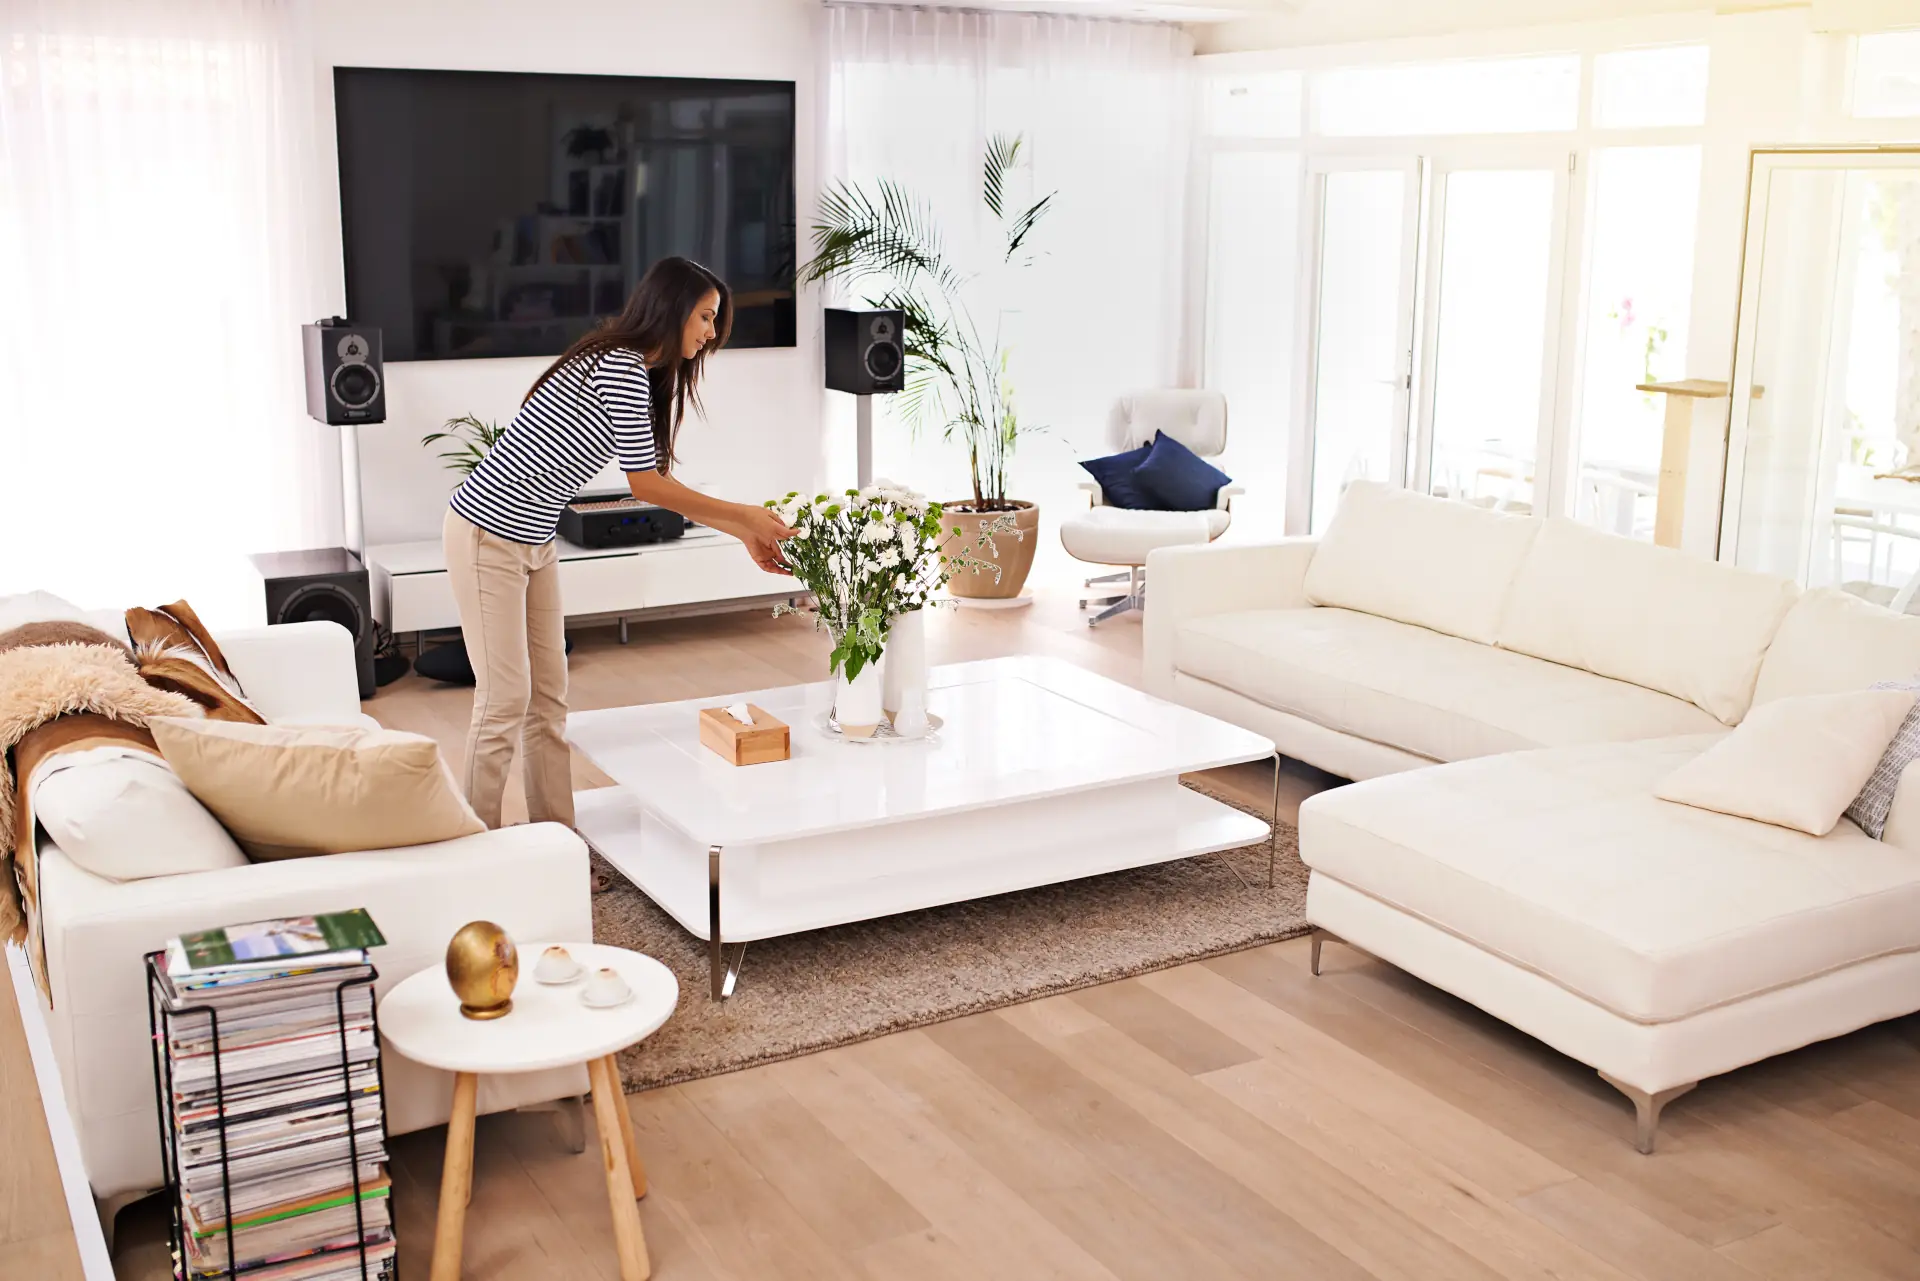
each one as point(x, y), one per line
point(617, 519)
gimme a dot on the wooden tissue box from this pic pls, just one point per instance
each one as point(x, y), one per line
point(768, 739)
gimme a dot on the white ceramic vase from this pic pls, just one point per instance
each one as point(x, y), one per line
point(904, 693)
point(856, 702)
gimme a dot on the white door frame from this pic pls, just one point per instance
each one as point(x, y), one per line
point(1763, 164)
point(1558, 159)
point(1307, 360)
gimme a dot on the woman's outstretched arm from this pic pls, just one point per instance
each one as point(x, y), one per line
point(759, 528)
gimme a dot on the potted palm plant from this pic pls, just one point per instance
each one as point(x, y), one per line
point(885, 242)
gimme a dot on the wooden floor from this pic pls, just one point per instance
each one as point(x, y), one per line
point(1231, 1119)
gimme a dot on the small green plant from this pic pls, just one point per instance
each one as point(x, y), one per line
point(469, 439)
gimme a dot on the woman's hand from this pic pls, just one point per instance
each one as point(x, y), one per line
point(762, 531)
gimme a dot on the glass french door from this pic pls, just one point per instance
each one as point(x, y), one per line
point(1487, 377)
point(1433, 328)
point(1361, 238)
point(1823, 460)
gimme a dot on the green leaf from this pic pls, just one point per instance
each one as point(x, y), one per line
point(1003, 154)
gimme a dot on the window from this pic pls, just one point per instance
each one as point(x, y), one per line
point(1886, 74)
point(1639, 88)
point(1491, 95)
point(1252, 260)
point(1639, 283)
point(1254, 105)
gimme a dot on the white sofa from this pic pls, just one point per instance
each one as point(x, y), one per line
point(532, 880)
point(1514, 689)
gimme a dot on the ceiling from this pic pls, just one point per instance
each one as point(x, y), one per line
point(1269, 24)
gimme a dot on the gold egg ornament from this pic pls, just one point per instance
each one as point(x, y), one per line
point(482, 968)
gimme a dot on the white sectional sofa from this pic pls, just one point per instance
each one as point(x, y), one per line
point(533, 880)
point(1514, 689)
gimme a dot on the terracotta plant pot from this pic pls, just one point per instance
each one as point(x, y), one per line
point(1013, 552)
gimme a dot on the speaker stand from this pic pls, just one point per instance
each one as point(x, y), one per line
point(352, 510)
point(863, 440)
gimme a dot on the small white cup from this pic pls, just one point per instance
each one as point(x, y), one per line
point(556, 965)
point(605, 987)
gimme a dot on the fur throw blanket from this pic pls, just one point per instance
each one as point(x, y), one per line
point(39, 684)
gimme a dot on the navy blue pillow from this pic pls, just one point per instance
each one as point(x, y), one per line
point(1177, 479)
point(1115, 472)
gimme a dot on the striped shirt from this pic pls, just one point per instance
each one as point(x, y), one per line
point(586, 415)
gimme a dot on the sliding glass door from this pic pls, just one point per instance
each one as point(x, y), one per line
point(1823, 464)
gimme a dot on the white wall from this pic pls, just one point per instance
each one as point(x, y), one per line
point(763, 433)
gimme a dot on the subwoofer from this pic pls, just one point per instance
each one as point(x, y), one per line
point(866, 351)
point(324, 585)
point(345, 381)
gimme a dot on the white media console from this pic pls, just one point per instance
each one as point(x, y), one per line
point(705, 571)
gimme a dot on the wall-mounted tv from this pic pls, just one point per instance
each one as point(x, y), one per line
point(503, 213)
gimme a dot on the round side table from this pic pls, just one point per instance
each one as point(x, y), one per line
point(548, 1027)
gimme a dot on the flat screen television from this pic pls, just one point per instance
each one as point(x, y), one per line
point(504, 213)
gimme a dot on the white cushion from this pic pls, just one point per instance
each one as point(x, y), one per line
point(1416, 559)
point(1832, 641)
point(1563, 862)
point(1797, 762)
point(123, 815)
point(1651, 615)
point(45, 607)
point(1406, 687)
point(1122, 536)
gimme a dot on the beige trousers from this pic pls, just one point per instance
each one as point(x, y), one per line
point(509, 599)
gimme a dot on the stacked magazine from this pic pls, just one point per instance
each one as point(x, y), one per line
point(276, 1130)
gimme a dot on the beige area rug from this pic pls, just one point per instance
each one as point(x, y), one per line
point(831, 987)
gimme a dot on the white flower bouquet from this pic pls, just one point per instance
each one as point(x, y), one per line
point(867, 557)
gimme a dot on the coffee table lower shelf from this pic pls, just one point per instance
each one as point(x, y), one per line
point(736, 894)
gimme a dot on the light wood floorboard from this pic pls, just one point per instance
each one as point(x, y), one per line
point(1228, 1119)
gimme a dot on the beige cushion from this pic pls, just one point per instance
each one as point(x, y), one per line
point(1416, 690)
point(1416, 559)
point(1677, 623)
point(1564, 862)
point(1797, 762)
point(121, 814)
point(289, 791)
point(1832, 641)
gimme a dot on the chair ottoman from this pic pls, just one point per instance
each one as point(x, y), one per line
point(1123, 536)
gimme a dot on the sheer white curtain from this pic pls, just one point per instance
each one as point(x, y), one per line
point(156, 261)
point(1105, 108)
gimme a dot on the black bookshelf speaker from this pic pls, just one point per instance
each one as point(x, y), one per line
point(324, 585)
point(345, 381)
point(866, 351)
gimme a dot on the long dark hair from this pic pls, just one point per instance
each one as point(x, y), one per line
point(652, 323)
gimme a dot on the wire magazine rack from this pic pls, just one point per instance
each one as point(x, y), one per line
point(160, 1020)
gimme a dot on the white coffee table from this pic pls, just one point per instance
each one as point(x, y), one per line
point(548, 1027)
point(1042, 773)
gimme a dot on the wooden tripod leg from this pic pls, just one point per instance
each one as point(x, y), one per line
point(638, 1170)
point(608, 1103)
point(456, 1180)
